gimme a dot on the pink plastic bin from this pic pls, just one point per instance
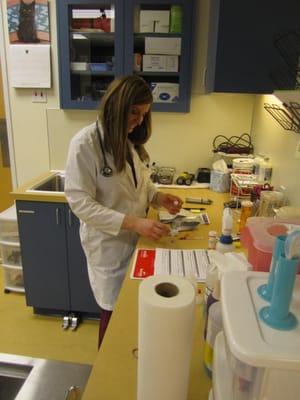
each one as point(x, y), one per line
point(259, 236)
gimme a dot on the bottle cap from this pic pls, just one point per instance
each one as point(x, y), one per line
point(226, 239)
point(246, 203)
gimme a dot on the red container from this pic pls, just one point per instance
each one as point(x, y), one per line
point(259, 236)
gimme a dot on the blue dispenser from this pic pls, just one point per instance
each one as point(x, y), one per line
point(266, 290)
point(277, 315)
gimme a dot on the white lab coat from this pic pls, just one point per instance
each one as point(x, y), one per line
point(101, 204)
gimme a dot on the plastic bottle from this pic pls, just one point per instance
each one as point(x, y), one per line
point(214, 326)
point(211, 299)
point(246, 212)
point(210, 282)
point(225, 242)
point(256, 164)
point(265, 171)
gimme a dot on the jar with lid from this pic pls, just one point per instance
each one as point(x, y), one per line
point(246, 212)
point(212, 239)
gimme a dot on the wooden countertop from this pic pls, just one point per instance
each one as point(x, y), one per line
point(23, 193)
point(114, 374)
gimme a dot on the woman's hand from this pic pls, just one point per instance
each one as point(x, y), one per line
point(149, 228)
point(171, 203)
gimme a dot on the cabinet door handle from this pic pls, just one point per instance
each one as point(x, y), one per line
point(57, 216)
point(70, 218)
point(26, 212)
point(204, 77)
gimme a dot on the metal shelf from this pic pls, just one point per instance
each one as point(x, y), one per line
point(287, 116)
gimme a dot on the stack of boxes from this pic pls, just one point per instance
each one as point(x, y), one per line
point(161, 53)
point(10, 251)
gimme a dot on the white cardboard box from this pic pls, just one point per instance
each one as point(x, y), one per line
point(154, 21)
point(165, 92)
point(157, 63)
point(164, 45)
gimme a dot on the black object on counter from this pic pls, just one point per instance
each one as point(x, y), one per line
point(203, 175)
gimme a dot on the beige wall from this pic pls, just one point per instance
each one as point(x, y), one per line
point(271, 139)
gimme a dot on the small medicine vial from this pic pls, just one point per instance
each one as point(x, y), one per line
point(246, 212)
point(212, 239)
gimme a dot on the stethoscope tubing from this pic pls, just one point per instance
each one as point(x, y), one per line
point(106, 170)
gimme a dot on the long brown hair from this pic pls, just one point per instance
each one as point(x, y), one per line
point(115, 107)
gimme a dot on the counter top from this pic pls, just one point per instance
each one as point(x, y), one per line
point(22, 193)
point(114, 374)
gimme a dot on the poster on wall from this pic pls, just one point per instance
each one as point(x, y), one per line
point(28, 21)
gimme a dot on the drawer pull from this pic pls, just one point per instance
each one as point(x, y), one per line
point(26, 212)
point(57, 216)
point(70, 218)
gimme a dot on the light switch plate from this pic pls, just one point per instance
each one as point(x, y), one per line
point(297, 152)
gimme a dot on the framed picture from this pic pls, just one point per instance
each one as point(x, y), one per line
point(28, 21)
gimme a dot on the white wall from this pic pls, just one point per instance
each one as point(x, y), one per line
point(271, 139)
point(41, 132)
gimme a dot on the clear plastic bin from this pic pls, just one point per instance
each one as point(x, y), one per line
point(9, 225)
point(246, 380)
point(261, 363)
point(11, 254)
point(259, 236)
point(13, 278)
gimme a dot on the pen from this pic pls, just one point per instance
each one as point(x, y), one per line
point(193, 209)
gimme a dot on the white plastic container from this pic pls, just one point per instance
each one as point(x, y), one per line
point(9, 225)
point(11, 254)
point(13, 277)
point(242, 165)
point(261, 363)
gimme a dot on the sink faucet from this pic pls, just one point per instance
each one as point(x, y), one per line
point(73, 393)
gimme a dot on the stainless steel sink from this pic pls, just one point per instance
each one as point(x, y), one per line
point(25, 378)
point(55, 183)
point(12, 378)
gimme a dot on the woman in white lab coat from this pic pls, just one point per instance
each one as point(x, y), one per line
point(109, 189)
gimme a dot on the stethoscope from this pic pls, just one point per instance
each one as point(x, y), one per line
point(106, 170)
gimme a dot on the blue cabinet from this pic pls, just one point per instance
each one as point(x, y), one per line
point(244, 52)
point(54, 265)
point(98, 41)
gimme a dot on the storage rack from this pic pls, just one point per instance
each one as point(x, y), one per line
point(10, 251)
point(287, 116)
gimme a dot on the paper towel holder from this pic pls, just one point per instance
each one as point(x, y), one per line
point(166, 289)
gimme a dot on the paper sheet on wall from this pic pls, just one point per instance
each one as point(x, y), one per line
point(30, 65)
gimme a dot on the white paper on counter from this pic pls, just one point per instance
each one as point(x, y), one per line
point(30, 65)
point(166, 321)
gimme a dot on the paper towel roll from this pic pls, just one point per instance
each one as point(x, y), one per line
point(166, 320)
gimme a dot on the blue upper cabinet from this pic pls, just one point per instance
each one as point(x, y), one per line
point(101, 40)
point(91, 51)
point(253, 46)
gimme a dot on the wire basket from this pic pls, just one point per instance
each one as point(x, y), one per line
point(288, 116)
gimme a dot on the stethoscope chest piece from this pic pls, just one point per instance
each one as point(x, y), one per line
point(106, 171)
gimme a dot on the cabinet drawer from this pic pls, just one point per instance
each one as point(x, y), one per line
point(11, 253)
point(13, 278)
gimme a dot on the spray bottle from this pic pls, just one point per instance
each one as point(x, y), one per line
point(225, 242)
